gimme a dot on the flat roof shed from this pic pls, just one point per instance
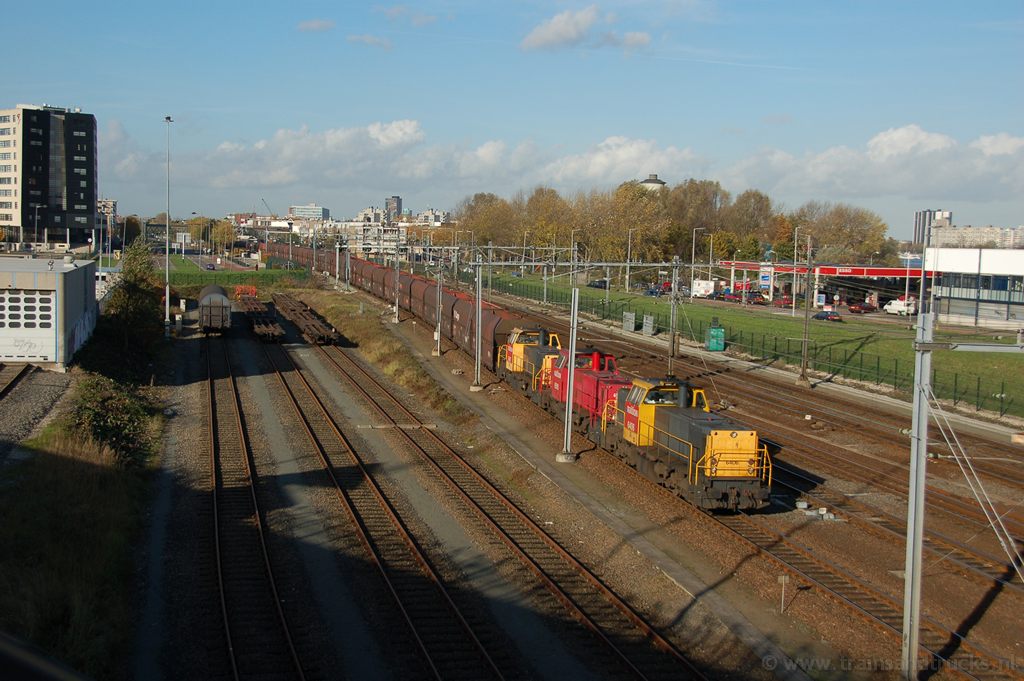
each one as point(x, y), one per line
point(47, 309)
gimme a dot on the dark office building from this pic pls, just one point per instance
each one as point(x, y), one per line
point(393, 207)
point(48, 174)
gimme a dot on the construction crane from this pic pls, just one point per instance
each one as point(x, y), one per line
point(269, 209)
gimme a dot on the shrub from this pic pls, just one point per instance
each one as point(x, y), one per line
point(114, 415)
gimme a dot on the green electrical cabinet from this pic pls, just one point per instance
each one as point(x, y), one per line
point(715, 337)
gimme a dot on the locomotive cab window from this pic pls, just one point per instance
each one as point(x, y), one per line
point(635, 395)
point(662, 395)
point(583, 361)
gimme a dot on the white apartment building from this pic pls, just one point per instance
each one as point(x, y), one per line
point(977, 237)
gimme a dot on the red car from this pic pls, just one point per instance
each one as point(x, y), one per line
point(861, 308)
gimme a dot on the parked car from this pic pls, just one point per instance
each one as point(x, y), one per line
point(210, 266)
point(655, 292)
point(756, 299)
point(731, 297)
point(861, 308)
point(598, 283)
point(830, 316)
point(783, 301)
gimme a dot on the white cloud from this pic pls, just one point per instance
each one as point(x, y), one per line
point(347, 167)
point(636, 39)
point(906, 140)
point(906, 162)
point(562, 30)
point(396, 133)
point(998, 145)
point(617, 159)
point(316, 25)
point(372, 40)
point(403, 13)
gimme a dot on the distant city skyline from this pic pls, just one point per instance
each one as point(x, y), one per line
point(895, 108)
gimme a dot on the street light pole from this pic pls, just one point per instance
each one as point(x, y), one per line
point(796, 231)
point(693, 260)
point(167, 238)
point(522, 267)
point(629, 254)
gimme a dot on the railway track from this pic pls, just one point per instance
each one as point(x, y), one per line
point(446, 641)
point(634, 642)
point(10, 374)
point(259, 641)
point(979, 566)
point(842, 463)
point(940, 648)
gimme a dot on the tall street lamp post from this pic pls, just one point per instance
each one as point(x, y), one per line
point(167, 238)
point(796, 231)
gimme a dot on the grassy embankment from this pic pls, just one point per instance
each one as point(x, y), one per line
point(73, 512)
point(382, 349)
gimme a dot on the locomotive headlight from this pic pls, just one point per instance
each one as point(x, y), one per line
point(733, 434)
point(750, 462)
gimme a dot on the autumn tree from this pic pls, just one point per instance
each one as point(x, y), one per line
point(547, 217)
point(132, 229)
point(489, 217)
point(691, 205)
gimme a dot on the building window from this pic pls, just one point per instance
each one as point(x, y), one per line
point(6, 192)
point(5, 143)
point(35, 143)
point(6, 118)
point(5, 168)
point(80, 158)
point(81, 206)
point(79, 133)
point(81, 219)
point(5, 156)
point(79, 171)
point(6, 204)
point(6, 180)
point(6, 216)
point(5, 131)
point(83, 183)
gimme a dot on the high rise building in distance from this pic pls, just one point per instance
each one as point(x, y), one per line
point(923, 219)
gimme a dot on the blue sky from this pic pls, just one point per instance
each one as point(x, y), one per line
point(894, 106)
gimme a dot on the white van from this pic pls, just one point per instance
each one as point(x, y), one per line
point(901, 307)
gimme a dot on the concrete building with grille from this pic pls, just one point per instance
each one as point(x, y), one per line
point(47, 309)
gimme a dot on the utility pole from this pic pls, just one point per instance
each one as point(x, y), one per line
point(167, 238)
point(437, 330)
point(337, 254)
point(672, 315)
point(566, 455)
point(802, 380)
point(477, 385)
point(629, 254)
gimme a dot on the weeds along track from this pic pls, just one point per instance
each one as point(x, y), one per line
point(637, 646)
point(448, 644)
point(259, 642)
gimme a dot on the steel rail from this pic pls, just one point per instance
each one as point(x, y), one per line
point(977, 565)
point(10, 374)
point(232, 469)
point(516, 545)
point(849, 469)
point(372, 539)
point(861, 597)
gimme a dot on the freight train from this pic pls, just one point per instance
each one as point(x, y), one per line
point(661, 426)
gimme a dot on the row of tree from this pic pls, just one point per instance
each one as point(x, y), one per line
point(660, 224)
